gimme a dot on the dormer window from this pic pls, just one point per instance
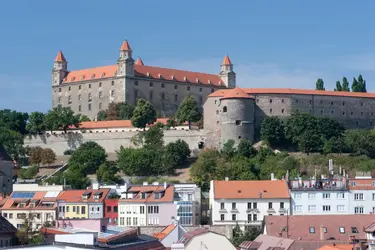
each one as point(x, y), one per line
point(197, 80)
point(82, 77)
point(92, 76)
point(148, 74)
point(143, 195)
point(160, 76)
point(172, 77)
point(156, 195)
point(98, 195)
point(86, 195)
point(103, 74)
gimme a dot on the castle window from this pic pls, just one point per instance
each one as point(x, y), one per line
point(270, 110)
point(297, 110)
point(163, 96)
point(331, 111)
point(212, 90)
point(59, 89)
point(151, 95)
point(100, 94)
point(175, 86)
point(239, 137)
point(351, 113)
point(112, 93)
point(270, 100)
point(217, 122)
point(151, 84)
point(321, 111)
point(357, 123)
point(113, 83)
point(372, 113)
point(200, 100)
point(296, 101)
point(89, 106)
point(188, 88)
point(343, 113)
point(100, 106)
point(238, 122)
point(70, 88)
point(103, 74)
point(361, 103)
point(331, 103)
point(361, 113)
point(200, 89)
point(135, 94)
point(343, 103)
point(79, 87)
point(162, 85)
point(89, 85)
point(60, 99)
point(79, 108)
point(136, 83)
point(321, 102)
point(92, 76)
point(282, 100)
point(282, 111)
point(310, 101)
point(176, 98)
point(100, 84)
point(224, 109)
point(371, 124)
point(69, 100)
point(90, 99)
point(79, 97)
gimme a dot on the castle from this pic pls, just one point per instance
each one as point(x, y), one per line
point(88, 91)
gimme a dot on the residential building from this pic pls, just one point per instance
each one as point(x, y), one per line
point(88, 91)
point(362, 195)
point(246, 202)
point(370, 235)
point(170, 234)
point(37, 188)
point(147, 205)
point(187, 197)
point(40, 207)
point(6, 173)
point(322, 196)
point(203, 239)
point(111, 210)
point(84, 204)
point(7, 233)
point(341, 247)
point(319, 227)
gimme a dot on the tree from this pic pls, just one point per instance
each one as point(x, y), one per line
point(144, 113)
point(362, 84)
point(14, 120)
point(309, 143)
point(12, 141)
point(188, 111)
point(204, 169)
point(88, 157)
point(61, 118)
point(151, 138)
point(236, 168)
point(250, 234)
point(272, 130)
point(171, 123)
point(175, 155)
point(84, 118)
point(25, 233)
point(338, 86)
point(245, 149)
point(29, 173)
point(101, 116)
point(229, 150)
point(48, 156)
point(76, 178)
point(329, 128)
point(345, 85)
point(36, 123)
point(139, 162)
point(119, 111)
point(107, 173)
point(320, 84)
point(35, 155)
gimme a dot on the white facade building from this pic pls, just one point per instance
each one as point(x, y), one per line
point(362, 195)
point(247, 202)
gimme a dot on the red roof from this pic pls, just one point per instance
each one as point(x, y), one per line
point(60, 57)
point(168, 195)
point(226, 61)
point(362, 184)
point(165, 232)
point(76, 195)
point(36, 201)
point(256, 91)
point(125, 46)
point(236, 93)
point(139, 62)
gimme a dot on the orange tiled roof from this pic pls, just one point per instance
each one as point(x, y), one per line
point(60, 57)
point(226, 61)
point(251, 189)
point(362, 184)
point(165, 232)
point(255, 91)
point(236, 93)
point(37, 200)
point(76, 195)
point(139, 62)
point(167, 197)
point(145, 72)
point(337, 247)
point(125, 46)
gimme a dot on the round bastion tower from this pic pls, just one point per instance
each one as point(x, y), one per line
point(237, 116)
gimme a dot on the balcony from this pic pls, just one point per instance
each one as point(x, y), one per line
point(252, 210)
point(271, 211)
point(282, 211)
point(318, 185)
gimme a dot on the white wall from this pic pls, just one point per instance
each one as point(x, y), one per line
point(367, 203)
point(209, 241)
point(37, 188)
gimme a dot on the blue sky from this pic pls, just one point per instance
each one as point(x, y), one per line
point(275, 43)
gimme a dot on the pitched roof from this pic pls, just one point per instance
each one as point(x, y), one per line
point(4, 156)
point(288, 91)
point(299, 226)
point(139, 62)
point(189, 235)
point(31, 201)
point(76, 195)
point(165, 232)
point(150, 190)
point(145, 72)
point(264, 242)
point(60, 57)
point(251, 189)
point(362, 184)
point(337, 247)
point(236, 93)
point(6, 227)
point(226, 61)
point(125, 46)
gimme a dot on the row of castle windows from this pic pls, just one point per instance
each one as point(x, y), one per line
point(89, 86)
point(151, 95)
point(175, 86)
point(310, 101)
point(89, 107)
point(89, 97)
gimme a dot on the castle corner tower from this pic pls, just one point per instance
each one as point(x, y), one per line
point(227, 74)
point(60, 69)
point(125, 64)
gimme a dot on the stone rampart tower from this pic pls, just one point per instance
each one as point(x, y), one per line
point(237, 116)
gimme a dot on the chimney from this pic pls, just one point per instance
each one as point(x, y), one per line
point(272, 176)
point(95, 186)
point(145, 183)
point(165, 185)
point(226, 178)
point(322, 232)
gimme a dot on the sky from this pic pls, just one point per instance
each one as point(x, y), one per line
point(271, 43)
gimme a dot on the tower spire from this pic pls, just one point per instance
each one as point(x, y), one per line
point(139, 62)
point(226, 61)
point(60, 57)
point(125, 46)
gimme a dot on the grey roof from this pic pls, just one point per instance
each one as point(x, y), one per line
point(6, 227)
point(4, 156)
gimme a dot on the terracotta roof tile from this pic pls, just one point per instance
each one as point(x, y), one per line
point(165, 232)
point(337, 247)
point(256, 91)
point(362, 184)
point(226, 61)
point(236, 93)
point(139, 62)
point(251, 189)
point(60, 57)
point(90, 74)
point(36, 198)
point(125, 46)
point(76, 195)
point(299, 226)
point(168, 195)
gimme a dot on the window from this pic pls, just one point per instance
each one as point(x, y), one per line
point(298, 208)
point(255, 217)
point(326, 208)
point(59, 99)
point(115, 209)
point(255, 205)
point(100, 106)
point(249, 205)
point(233, 205)
point(297, 196)
point(176, 98)
point(325, 230)
point(141, 209)
point(358, 210)
point(234, 217)
point(311, 196)
point(188, 88)
point(270, 110)
point(79, 108)
point(90, 97)
point(113, 93)
point(59, 89)
point(113, 83)
point(67, 209)
point(200, 89)
point(343, 113)
point(341, 208)
point(156, 209)
point(353, 183)
point(89, 106)
point(312, 230)
point(190, 197)
point(135, 221)
point(151, 95)
point(79, 87)
point(151, 84)
point(326, 195)
point(109, 209)
point(269, 205)
point(249, 217)
point(74, 209)
point(282, 205)
point(358, 196)
point(282, 110)
point(212, 90)
point(222, 205)
point(89, 85)
point(342, 230)
point(311, 208)
point(341, 196)
point(361, 103)
point(162, 85)
point(100, 84)
point(100, 94)
point(238, 122)
point(163, 96)
point(373, 196)
point(69, 88)
point(128, 221)
point(175, 87)
point(225, 109)
point(79, 97)
point(222, 217)
point(83, 210)
point(270, 100)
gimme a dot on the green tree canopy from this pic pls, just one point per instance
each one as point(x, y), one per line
point(76, 178)
point(48, 156)
point(88, 157)
point(14, 120)
point(246, 149)
point(12, 141)
point(35, 155)
point(188, 111)
point(359, 85)
point(320, 84)
point(119, 111)
point(107, 173)
point(204, 169)
point(272, 130)
point(101, 116)
point(36, 123)
point(84, 118)
point(345, 85)
point(338, 86)
point(144, 113)
point(61, 118)
point(139, 162)
point(175, 155)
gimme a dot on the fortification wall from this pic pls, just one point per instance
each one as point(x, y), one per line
point(110, 141)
